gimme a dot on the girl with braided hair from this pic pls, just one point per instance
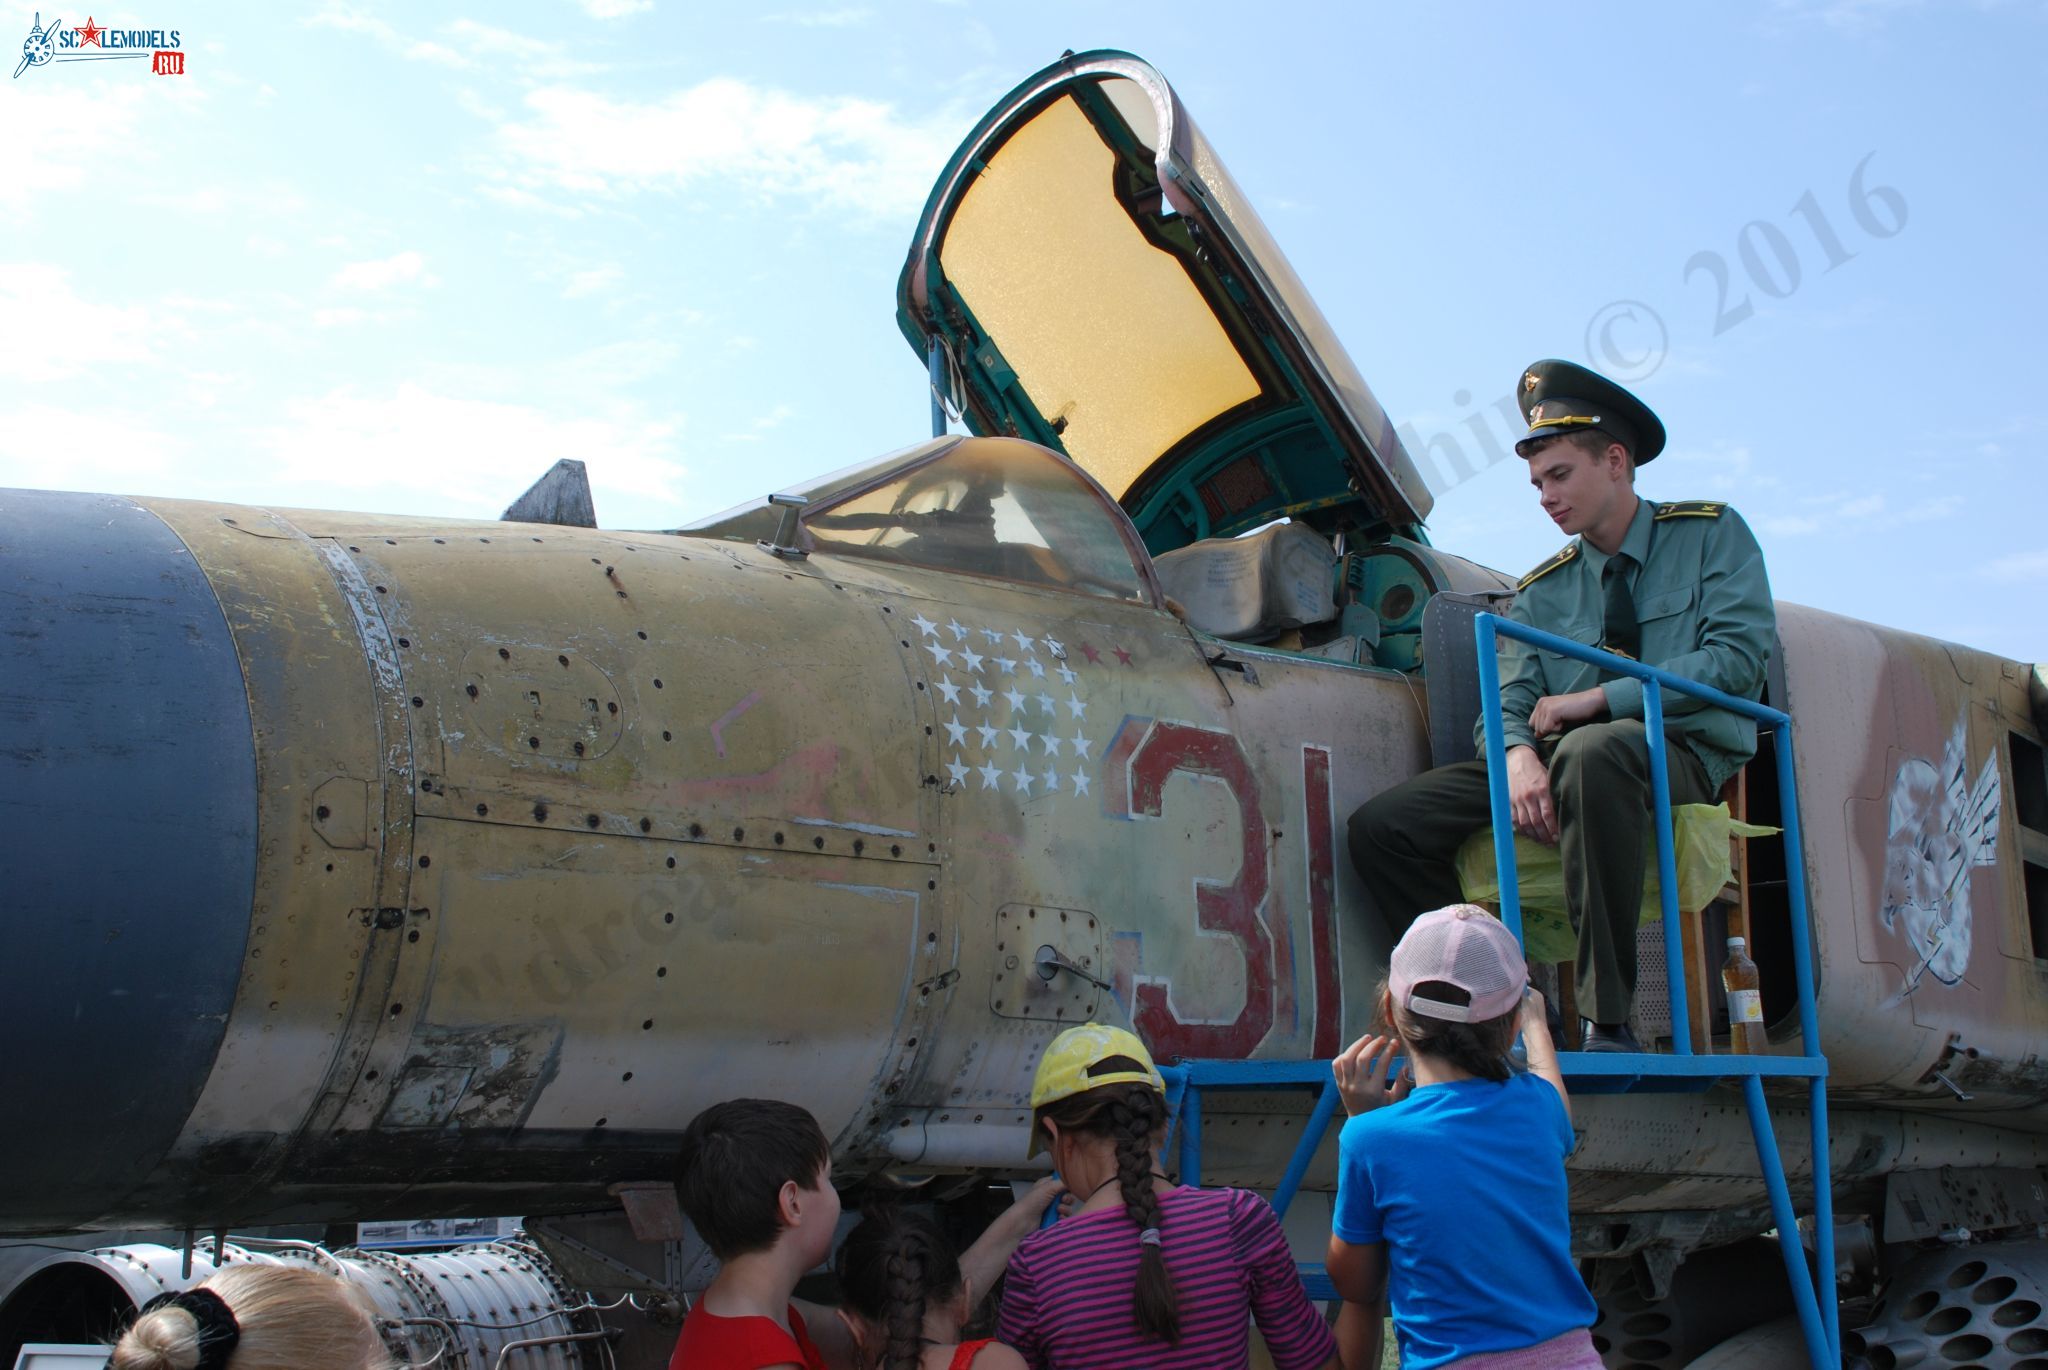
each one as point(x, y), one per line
point(255, 1317)
point(907, 1298)
point(1145, 1272)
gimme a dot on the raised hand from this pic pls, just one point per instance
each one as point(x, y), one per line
point(1365, 1074)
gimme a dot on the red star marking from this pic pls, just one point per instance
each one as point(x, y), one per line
point(89, 34)
point(1122, 655)
point(1094, 657)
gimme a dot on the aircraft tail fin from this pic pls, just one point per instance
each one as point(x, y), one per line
point(561, 496)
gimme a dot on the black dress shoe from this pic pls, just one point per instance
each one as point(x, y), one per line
point(1606, 1037)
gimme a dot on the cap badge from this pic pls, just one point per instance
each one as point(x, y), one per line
point(1528, 380)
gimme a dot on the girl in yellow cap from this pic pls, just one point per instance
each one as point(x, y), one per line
point(1146, 1272)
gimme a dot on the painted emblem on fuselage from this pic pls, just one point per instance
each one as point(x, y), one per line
point(1943, 825)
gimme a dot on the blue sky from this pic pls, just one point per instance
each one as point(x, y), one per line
point(401, 259)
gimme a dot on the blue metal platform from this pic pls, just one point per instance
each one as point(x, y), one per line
point(1679, 1070)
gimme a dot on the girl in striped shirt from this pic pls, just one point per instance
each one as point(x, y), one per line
point(1146, 1273)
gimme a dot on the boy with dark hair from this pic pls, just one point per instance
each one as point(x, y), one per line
point(755, 1177)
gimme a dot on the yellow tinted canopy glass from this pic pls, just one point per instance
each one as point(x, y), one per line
point(1106, 332)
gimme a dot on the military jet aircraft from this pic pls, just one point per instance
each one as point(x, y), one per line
point(377, 866)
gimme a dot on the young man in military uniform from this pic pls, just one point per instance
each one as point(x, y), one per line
point(1680, 586)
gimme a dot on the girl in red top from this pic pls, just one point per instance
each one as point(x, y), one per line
point(906, 1298)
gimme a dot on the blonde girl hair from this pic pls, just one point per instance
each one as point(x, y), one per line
point(290, 1317)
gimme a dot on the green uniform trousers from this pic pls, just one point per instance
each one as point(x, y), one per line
point(1403, 841)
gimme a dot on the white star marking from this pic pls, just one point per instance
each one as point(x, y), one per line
point(956, 731)
point(1020, 736)
point(1024, 644)
point(958, 628)
point(981, 696)
point(1009, 666)
point(972, 658)
point(1051, 742)
point(926, 626)
point(949, 690)
point(1077, 705)
point(1048, 702)
point(1016, 699)
point(941, 656)
point(994, 636)
point(1050, 781)
point(1056, 647)
point(991, 776)
point(1079, 744)
point(956, 771)
point(1036, 669)
point(1066, 674)
point(1023, 779)
point(988, 734)
point(1080, 779)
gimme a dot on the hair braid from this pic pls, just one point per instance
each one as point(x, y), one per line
point(1136, 1114)
point(892, 1267)
point(903, 1314)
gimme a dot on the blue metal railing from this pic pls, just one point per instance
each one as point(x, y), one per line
point(1815, 1305)
point(1813, 1295)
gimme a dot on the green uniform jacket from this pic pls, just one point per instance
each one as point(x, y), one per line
point(1705, 608)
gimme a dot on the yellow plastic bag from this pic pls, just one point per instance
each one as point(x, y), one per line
point(1700, 834)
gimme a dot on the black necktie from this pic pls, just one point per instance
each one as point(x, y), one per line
point(1620, 632)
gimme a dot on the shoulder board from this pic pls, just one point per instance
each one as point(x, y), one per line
point(1569, 554)
point(1690, 509)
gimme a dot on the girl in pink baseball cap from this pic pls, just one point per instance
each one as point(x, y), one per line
point(1451, 1193)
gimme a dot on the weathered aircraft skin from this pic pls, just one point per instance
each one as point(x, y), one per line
point(362, 866)
point(562, 834)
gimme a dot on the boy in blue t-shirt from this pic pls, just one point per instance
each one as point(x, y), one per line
point(1456, 1199)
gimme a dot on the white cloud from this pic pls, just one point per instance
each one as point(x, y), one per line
point(848, 154)
point(774, 418)
point(470, 454)
point(845, 17)
point(338, 318)
point(56, 334)
point(507, 53)
point(497, 41)
point(52, 448)
point(614, 9)
point(1847, 14)
point(587, 376)
point(55, 133)
point(1723, 469)
point(2020, 566)
point(593, 281)
point(404, 268)
point(348, 19)
point(1858, 514)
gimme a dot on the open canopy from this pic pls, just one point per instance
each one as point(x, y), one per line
point(1095, 281)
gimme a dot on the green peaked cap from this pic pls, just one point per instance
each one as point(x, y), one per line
point(1564, 397)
